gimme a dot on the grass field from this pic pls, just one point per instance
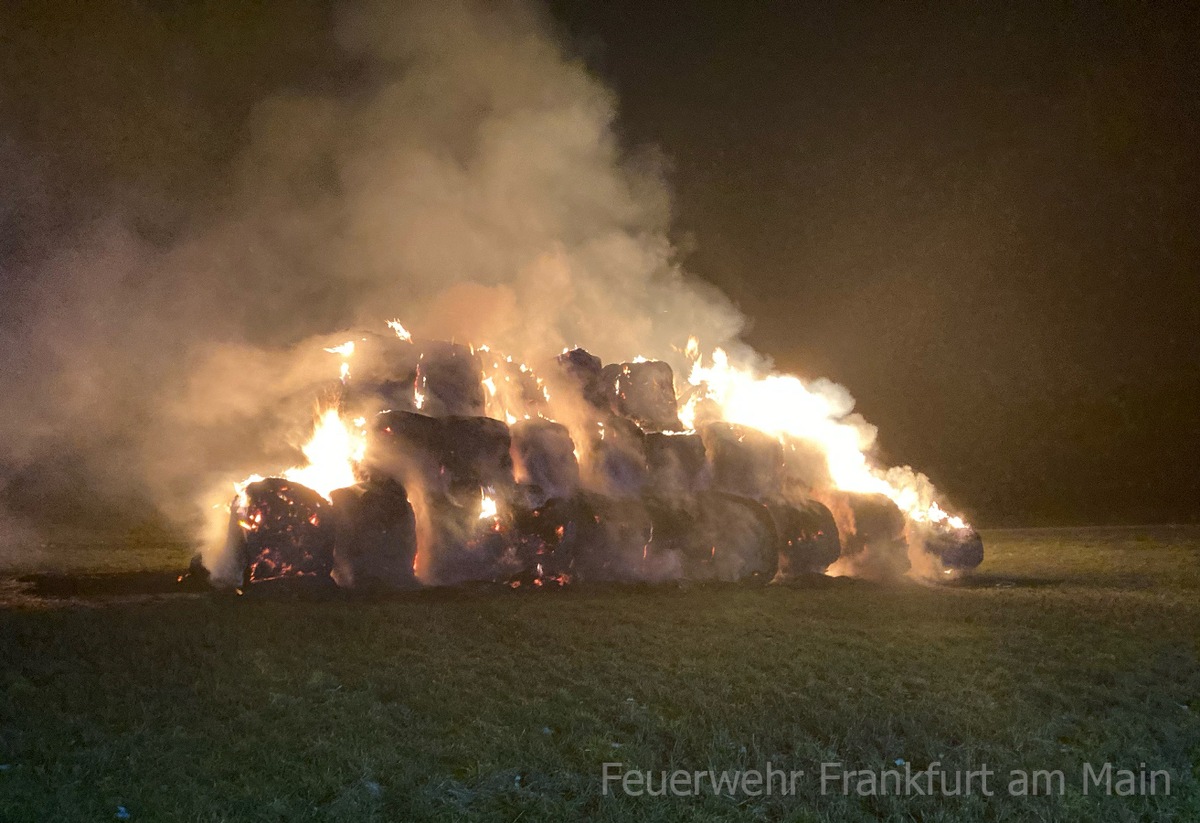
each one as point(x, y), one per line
point(1068, 647)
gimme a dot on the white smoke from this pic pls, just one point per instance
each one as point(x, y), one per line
point(469, 181)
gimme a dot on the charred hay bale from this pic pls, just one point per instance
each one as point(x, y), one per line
point(459, 455)
point(466, 542)
point(805, 467)
point(543, 455)
point(642, 392)
point(580, 370)
point(676, 463)
point(808, 537)
point(419, 430)
point(407, 447)
point(476, 453)
point(956, 550)
point(512, 389)
point(550, 536)
point(281, 530)
point(614, 462)
point(872, 529)
point(716, 536)
point(675, 521)
point(614, 546)
point(744, 461)
point(375, 540)
point(876, 518)
point(593, 538)
point(742, 540)
point(449, 380)
point(382, 374)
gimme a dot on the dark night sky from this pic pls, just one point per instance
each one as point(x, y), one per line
point(980, 221)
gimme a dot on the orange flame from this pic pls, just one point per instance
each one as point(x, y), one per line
point(400, 331)
point(332, 453)
point(487, 506)
point(820, 412)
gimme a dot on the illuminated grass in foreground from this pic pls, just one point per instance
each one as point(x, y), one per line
point(1068, 647)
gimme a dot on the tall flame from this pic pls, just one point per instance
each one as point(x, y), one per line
point(332, 452)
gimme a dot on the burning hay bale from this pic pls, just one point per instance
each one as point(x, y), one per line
point(674, 520)
point(742, 542)
point(448, 380)
point(716, 536)
point(613, 543)
point(744, 461)
point(467, 540)
point(407, 447)
point(614, 462)
point(581, 371)
point(551, 537)
point(876, 520)
point(643, 392)
point(593, 538)
point(513, 391)
point(808, 537)
point(460, 470)
point(379, 372)
point(375, 540)
point(476, 453)
point(872, 528)
point(805, 468)
point(281, 530)
point(677, 464)
point(450, 454)
point(956, 550)
point(543, 455)
point(620, 495)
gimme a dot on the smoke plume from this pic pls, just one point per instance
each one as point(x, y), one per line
point(463, 174)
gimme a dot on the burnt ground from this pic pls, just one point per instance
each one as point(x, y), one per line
point(1067, 647)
